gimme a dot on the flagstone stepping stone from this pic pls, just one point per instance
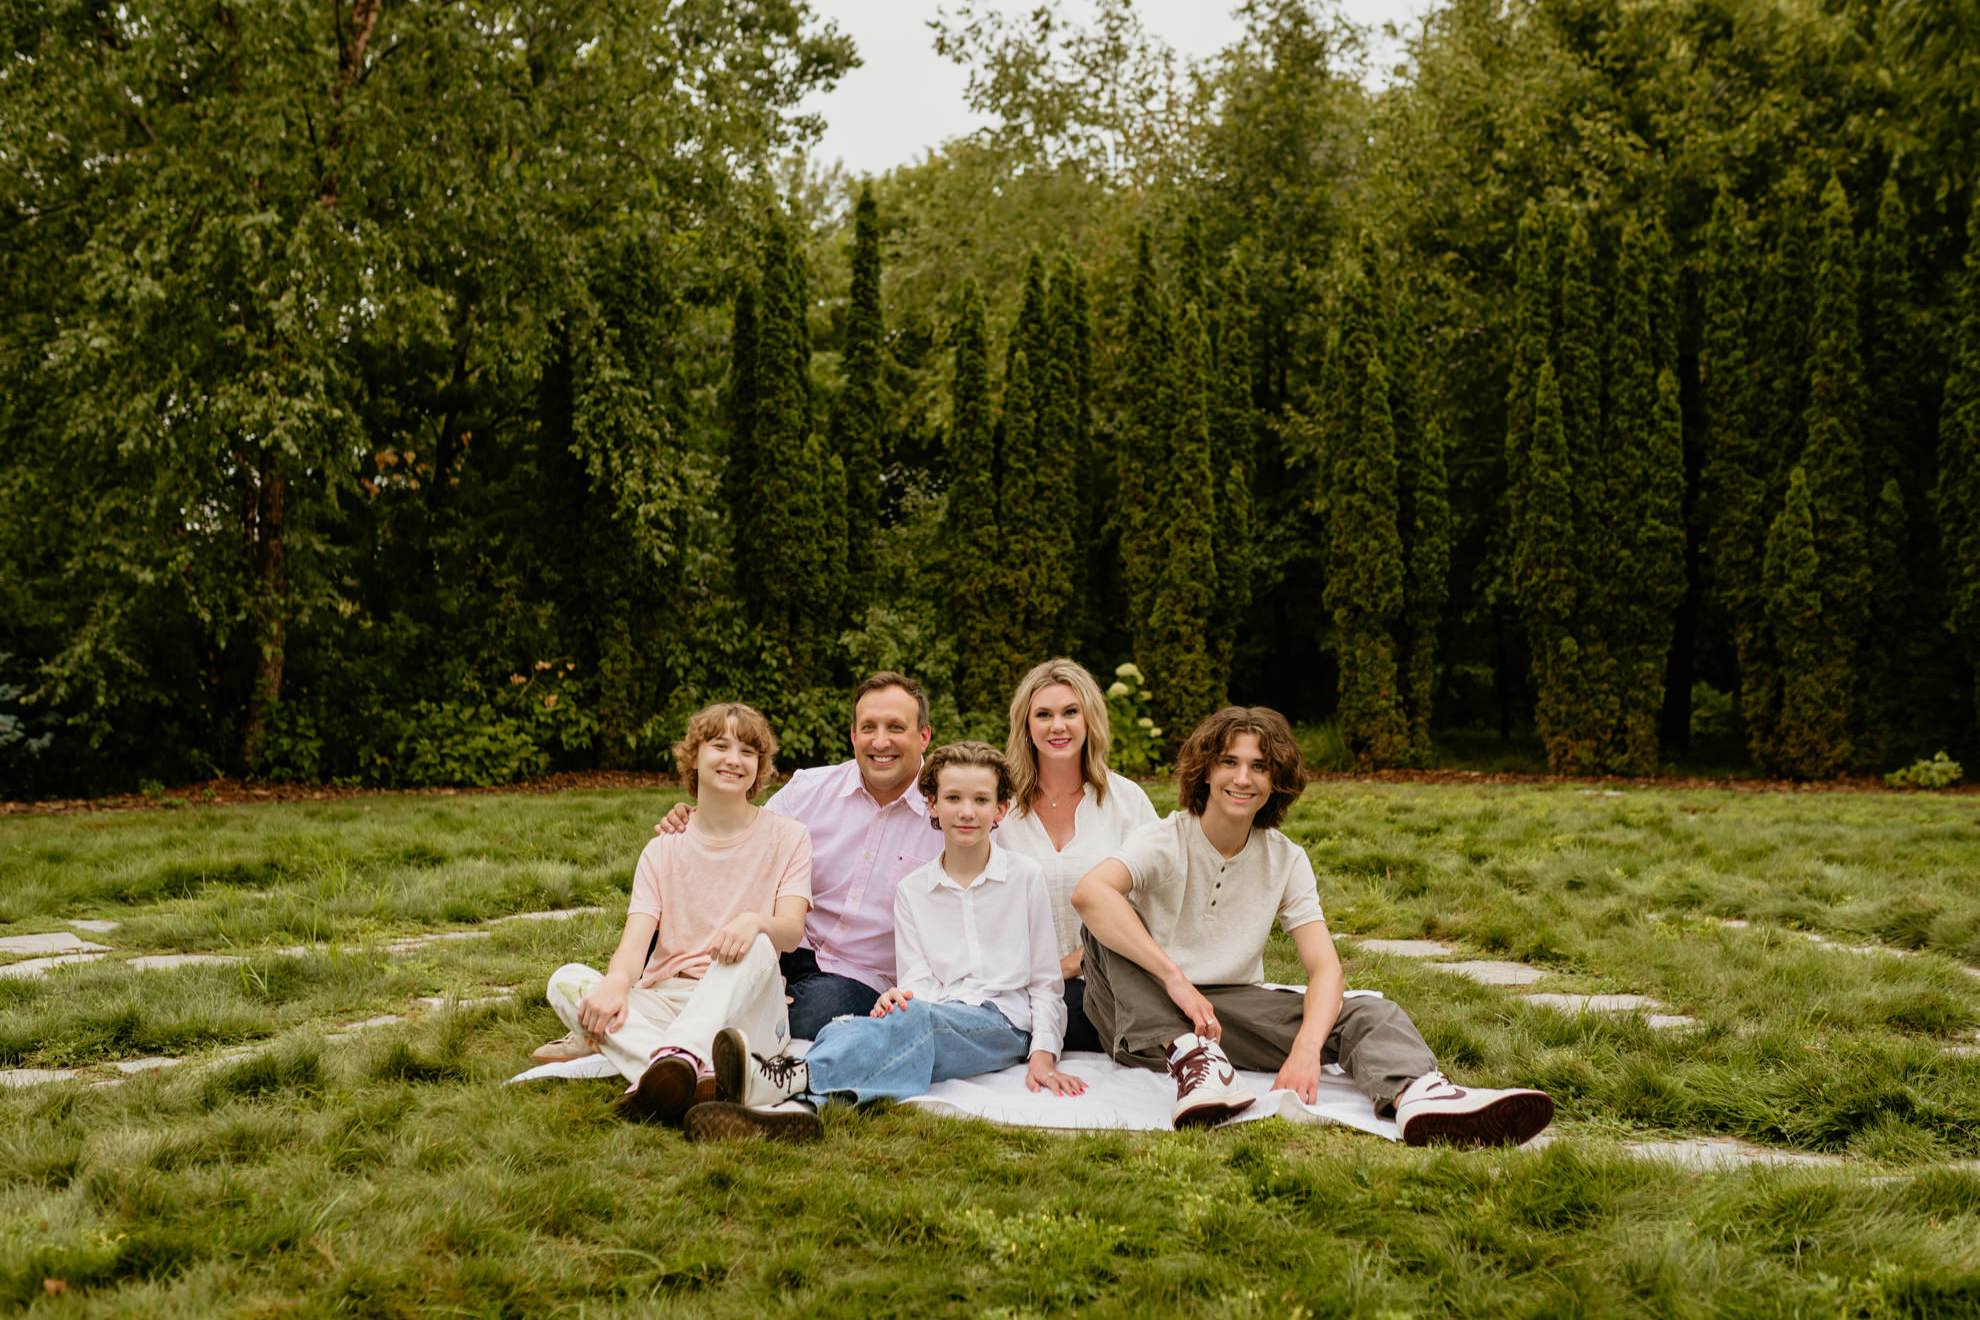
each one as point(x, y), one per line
point(1612, 1004)
point(154, 1063)
point(1405, 948)
point(94, 925)
point(414, 943)
point(369, 1024)
point(555, 914)
point(1828, 943)
point(441, 1001)
point(1593, 1003)
point(54, 941)
point(36, 1076)
point(1724, 1153)
point(1488, 972)
point(38, 967)
point(158, 961)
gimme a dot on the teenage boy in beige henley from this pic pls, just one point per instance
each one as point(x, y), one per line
point(1176, 924)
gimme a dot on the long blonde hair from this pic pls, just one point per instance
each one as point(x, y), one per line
point(1022, 756)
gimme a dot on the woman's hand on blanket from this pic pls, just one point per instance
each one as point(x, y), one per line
point(603, 1009)
point(1202, 1017)
point(732, 941)
point(1301, 1076)
point(891, 1000)
point(1043, 1075)
point(675, 821)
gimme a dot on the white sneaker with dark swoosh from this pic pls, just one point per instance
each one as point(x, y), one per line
point(1207, 1087)
point(1432, 1108)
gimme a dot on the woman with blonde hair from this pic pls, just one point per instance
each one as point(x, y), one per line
point(1069, 812)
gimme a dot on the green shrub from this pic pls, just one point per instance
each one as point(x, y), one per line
point(1322, 747)
point(1939, 772)
point(1137, 741)
point(1714, 715)
point(428, 744)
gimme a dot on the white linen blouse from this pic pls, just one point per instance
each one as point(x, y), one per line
point(1098, 831)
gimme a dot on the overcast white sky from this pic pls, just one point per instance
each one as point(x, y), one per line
point(905, 98)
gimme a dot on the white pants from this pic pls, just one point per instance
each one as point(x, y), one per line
point(686, 1012)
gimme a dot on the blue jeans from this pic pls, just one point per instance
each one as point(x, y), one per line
point(912, 1048)
point(818, 997)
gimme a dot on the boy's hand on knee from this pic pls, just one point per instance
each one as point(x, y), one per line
point(1042, 1074)
point(891, 1000)
point(603, 1011)
point(731, 943)
point(1202, 1017)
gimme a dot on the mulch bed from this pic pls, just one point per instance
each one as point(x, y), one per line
point(239, 792)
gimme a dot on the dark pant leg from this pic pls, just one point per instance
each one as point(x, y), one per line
point(818, 997)
point(1373, 1040)
point(1132, 1015)
point(1080, 1034)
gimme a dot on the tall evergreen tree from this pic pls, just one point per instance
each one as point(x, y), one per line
point(1816, 736)
point(1030, 603)
point(1547, 575)
point(1812, 724)
point(1423, 518)
point(1738, 465)
point(1084, 475)
point(792, 539)
point(1644, 476)
point(1047, 529)
point(1142, 463)
point(1532, 330)
point(971, 540)
point(1183, 597)
point(1784, 315)
point(1959, 461)
point(1891, 651)
point(1426, 578)
point(737, 476)
point(1233, 447)
point(859, 421)
point(1364, 553)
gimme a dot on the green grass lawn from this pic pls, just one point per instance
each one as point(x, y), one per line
point(391, 1173)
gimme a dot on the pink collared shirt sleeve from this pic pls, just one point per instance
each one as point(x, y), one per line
point(859, 853)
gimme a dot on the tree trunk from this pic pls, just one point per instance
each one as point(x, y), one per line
point(271, 610)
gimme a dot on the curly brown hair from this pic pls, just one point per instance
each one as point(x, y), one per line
point(1285, 768)
point(712, 722)
point(962, 753)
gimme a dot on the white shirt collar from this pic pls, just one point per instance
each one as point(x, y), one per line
point(995, 869)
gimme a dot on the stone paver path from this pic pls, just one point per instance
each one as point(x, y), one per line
point(1489, 972)
point(94, 925)
point(165, 961)
point(62, 947)
point(36, 1076)
point(1612, 1004)
point(34, 968)
point(54, 941)
point(1405, 948)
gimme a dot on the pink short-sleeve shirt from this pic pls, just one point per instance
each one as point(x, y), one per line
point(695, 885)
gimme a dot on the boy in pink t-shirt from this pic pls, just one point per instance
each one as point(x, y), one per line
point(711, 909)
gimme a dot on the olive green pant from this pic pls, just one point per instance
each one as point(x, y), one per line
point(1373, 1040)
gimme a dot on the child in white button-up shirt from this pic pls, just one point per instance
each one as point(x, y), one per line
point(978, 986)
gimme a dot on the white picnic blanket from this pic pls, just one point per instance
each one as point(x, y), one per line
point(1117, 1097)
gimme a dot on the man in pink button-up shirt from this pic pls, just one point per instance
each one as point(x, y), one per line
point(869, 827)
